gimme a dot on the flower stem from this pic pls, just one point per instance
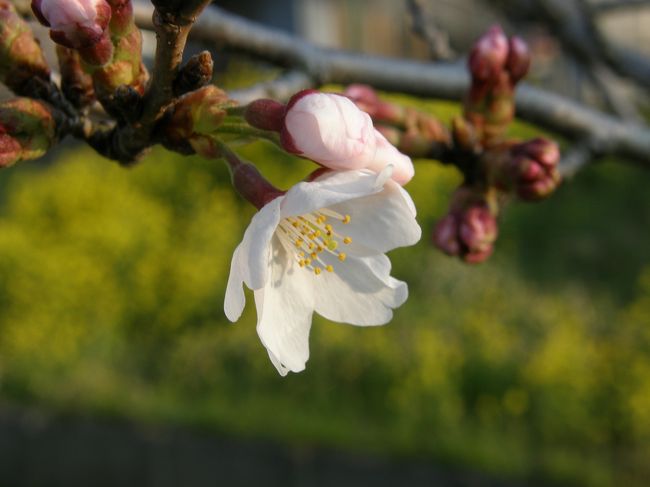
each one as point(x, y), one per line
point(248, 131)
point(246, 178)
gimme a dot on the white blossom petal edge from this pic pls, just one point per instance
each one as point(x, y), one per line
point(320, 247)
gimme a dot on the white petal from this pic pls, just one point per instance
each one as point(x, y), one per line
point(255, 246)
point(331, 189)
point(235, 300)
point(358, 292)
point(380, 222)
point(284, 311)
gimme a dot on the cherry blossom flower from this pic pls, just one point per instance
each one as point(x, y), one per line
point(320, 247)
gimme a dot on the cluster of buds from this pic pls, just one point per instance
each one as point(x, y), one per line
point(412, 131)
point(530, 169)
point(27, 130)
point(496, 64)
point(21, 57)
point(476, 143)
point(470, 228)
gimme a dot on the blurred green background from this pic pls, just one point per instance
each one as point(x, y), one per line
point(534, 365)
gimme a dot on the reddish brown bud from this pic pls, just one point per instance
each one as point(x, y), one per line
point(489, 54)
point(364, 96)
point(196, 74)
point(266, 114)
point(27, 130)
point(469, 230)
point(532, 168)
point(518, 61)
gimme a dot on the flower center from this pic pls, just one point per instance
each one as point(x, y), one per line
point(309, 237)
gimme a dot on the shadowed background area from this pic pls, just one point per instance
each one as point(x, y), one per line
point(118, 367)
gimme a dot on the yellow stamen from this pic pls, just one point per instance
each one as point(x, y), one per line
point(342, 256)
point(347, 240)
point(317, 270)
point(329, 268)
point(346, 219)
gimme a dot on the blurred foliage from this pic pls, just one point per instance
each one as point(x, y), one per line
point(534, 365)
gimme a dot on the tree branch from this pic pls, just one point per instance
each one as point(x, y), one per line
point(172, 28)
point(554, 112)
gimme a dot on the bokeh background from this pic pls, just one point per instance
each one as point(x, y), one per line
point(118, 366)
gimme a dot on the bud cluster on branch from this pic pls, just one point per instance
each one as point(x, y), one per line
point(320, 245)
point(494, 166)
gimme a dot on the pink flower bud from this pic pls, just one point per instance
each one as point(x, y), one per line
point(488, 56)
point(478, 229)
point(533, 168)
point(445, 235)
point(518, 61)
point(469, 230)
point(74, 23)
point(332, 131)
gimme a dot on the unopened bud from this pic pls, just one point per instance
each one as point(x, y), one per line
point(265, 114)
point(489, 54)
point(121, 17)
point(367, 99)
point(532, 169)
point(27, 124)
point(196, 74)
point(469, 230)
point(364, 96)
point(518, 61)
point(125, 68)
point(21, 57)
point(464, 134)
point(78, 24)
point(194, 116)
